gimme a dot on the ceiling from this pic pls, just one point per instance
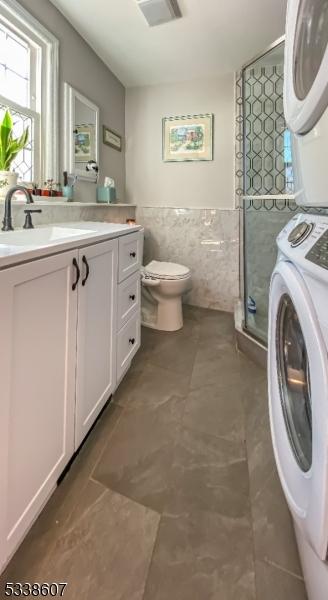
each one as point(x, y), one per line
point(212, 38)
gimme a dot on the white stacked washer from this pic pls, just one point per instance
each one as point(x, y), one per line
point(298, 311)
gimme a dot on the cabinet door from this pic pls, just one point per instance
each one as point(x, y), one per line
point(96, 352)
point(37, 377)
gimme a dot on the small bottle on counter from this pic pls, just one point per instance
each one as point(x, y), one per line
point(58, 190)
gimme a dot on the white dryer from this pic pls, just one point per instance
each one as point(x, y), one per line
point(306, 97)
point(298, 387)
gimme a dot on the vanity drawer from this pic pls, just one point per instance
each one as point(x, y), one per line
point(128, 342)
point(129, 254)
point(128, 299)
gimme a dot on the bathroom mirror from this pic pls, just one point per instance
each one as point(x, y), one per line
point(81, 135)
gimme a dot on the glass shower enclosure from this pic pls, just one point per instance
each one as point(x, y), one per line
point(268, 202)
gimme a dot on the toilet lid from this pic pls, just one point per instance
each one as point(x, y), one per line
point(167, 270)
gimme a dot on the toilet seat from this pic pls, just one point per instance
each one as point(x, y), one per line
point(166, 271)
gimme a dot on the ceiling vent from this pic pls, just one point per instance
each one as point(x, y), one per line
point(159, 11)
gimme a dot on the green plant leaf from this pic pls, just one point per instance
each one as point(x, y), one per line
point(9, 147)
point(18, 143)
point(7, 120)
point(9, 160)
point(5, 133)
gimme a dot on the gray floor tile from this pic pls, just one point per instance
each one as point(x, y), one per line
point(177, 352)
point(137, 462)
point(106, 550)
point(275, 584)
point(258, 436)
point(107, 562)
point(154, 386)
point(212, 323)
point(273, 529)
point(216, 347)
point(209, 473)
point(251, 372)
point(216, 364)
point(173, 442)
point(126, 390)
point(255, 387)
point(96, 442)
point(33, 559)
point(57, 514)
point(202, 556)
point(216, 410)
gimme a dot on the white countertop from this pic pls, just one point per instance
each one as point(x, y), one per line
point(25, 245)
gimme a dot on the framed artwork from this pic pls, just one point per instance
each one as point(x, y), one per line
point(112, 139)
point(188, 138)
point(84, 143)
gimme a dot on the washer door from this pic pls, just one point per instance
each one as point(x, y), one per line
point(306, 64)
point(298, 399)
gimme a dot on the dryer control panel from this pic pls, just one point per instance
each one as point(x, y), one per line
point(319, 251)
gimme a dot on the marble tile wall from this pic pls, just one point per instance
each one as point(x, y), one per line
point(206, 241)
point(60, 213)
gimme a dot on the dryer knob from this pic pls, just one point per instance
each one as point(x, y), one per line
point(300, 233)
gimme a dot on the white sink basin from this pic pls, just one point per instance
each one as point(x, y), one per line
point(41, 236)
point(29, 244)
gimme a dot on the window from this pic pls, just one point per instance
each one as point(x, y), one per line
point(15, 68)
point(18, 62)
point(289, 175)
point(29, 87)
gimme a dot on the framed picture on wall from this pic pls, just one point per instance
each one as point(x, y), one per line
point(112, 139)
point(188, 138)
point(84, 142)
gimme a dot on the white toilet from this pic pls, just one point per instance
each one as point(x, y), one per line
point(163, 285)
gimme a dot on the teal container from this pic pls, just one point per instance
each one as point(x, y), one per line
point(68, 192)
point(106, 195)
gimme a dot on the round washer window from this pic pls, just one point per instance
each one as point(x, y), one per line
point(311, 38)
point(294, 379)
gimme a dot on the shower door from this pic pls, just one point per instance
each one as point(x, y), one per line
point(268, 181)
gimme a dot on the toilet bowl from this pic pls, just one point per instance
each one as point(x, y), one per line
point(163, 285)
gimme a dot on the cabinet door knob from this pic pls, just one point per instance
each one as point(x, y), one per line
point(133, 254)
point(131, 341)
point(132, 297)
point(77, 268)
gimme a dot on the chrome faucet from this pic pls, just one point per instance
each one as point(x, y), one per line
point(7, 219)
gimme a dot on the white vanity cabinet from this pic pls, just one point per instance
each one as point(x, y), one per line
point(128, 325)
point(65, 343)
point(37, 377)
point(130, 254)
point(96, 347)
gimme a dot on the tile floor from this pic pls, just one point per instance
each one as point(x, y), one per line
point(174, 495)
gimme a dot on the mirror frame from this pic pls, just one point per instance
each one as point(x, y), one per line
point(70, 95)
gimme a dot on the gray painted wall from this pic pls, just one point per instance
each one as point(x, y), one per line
point(152, 182)
point(84, 70)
